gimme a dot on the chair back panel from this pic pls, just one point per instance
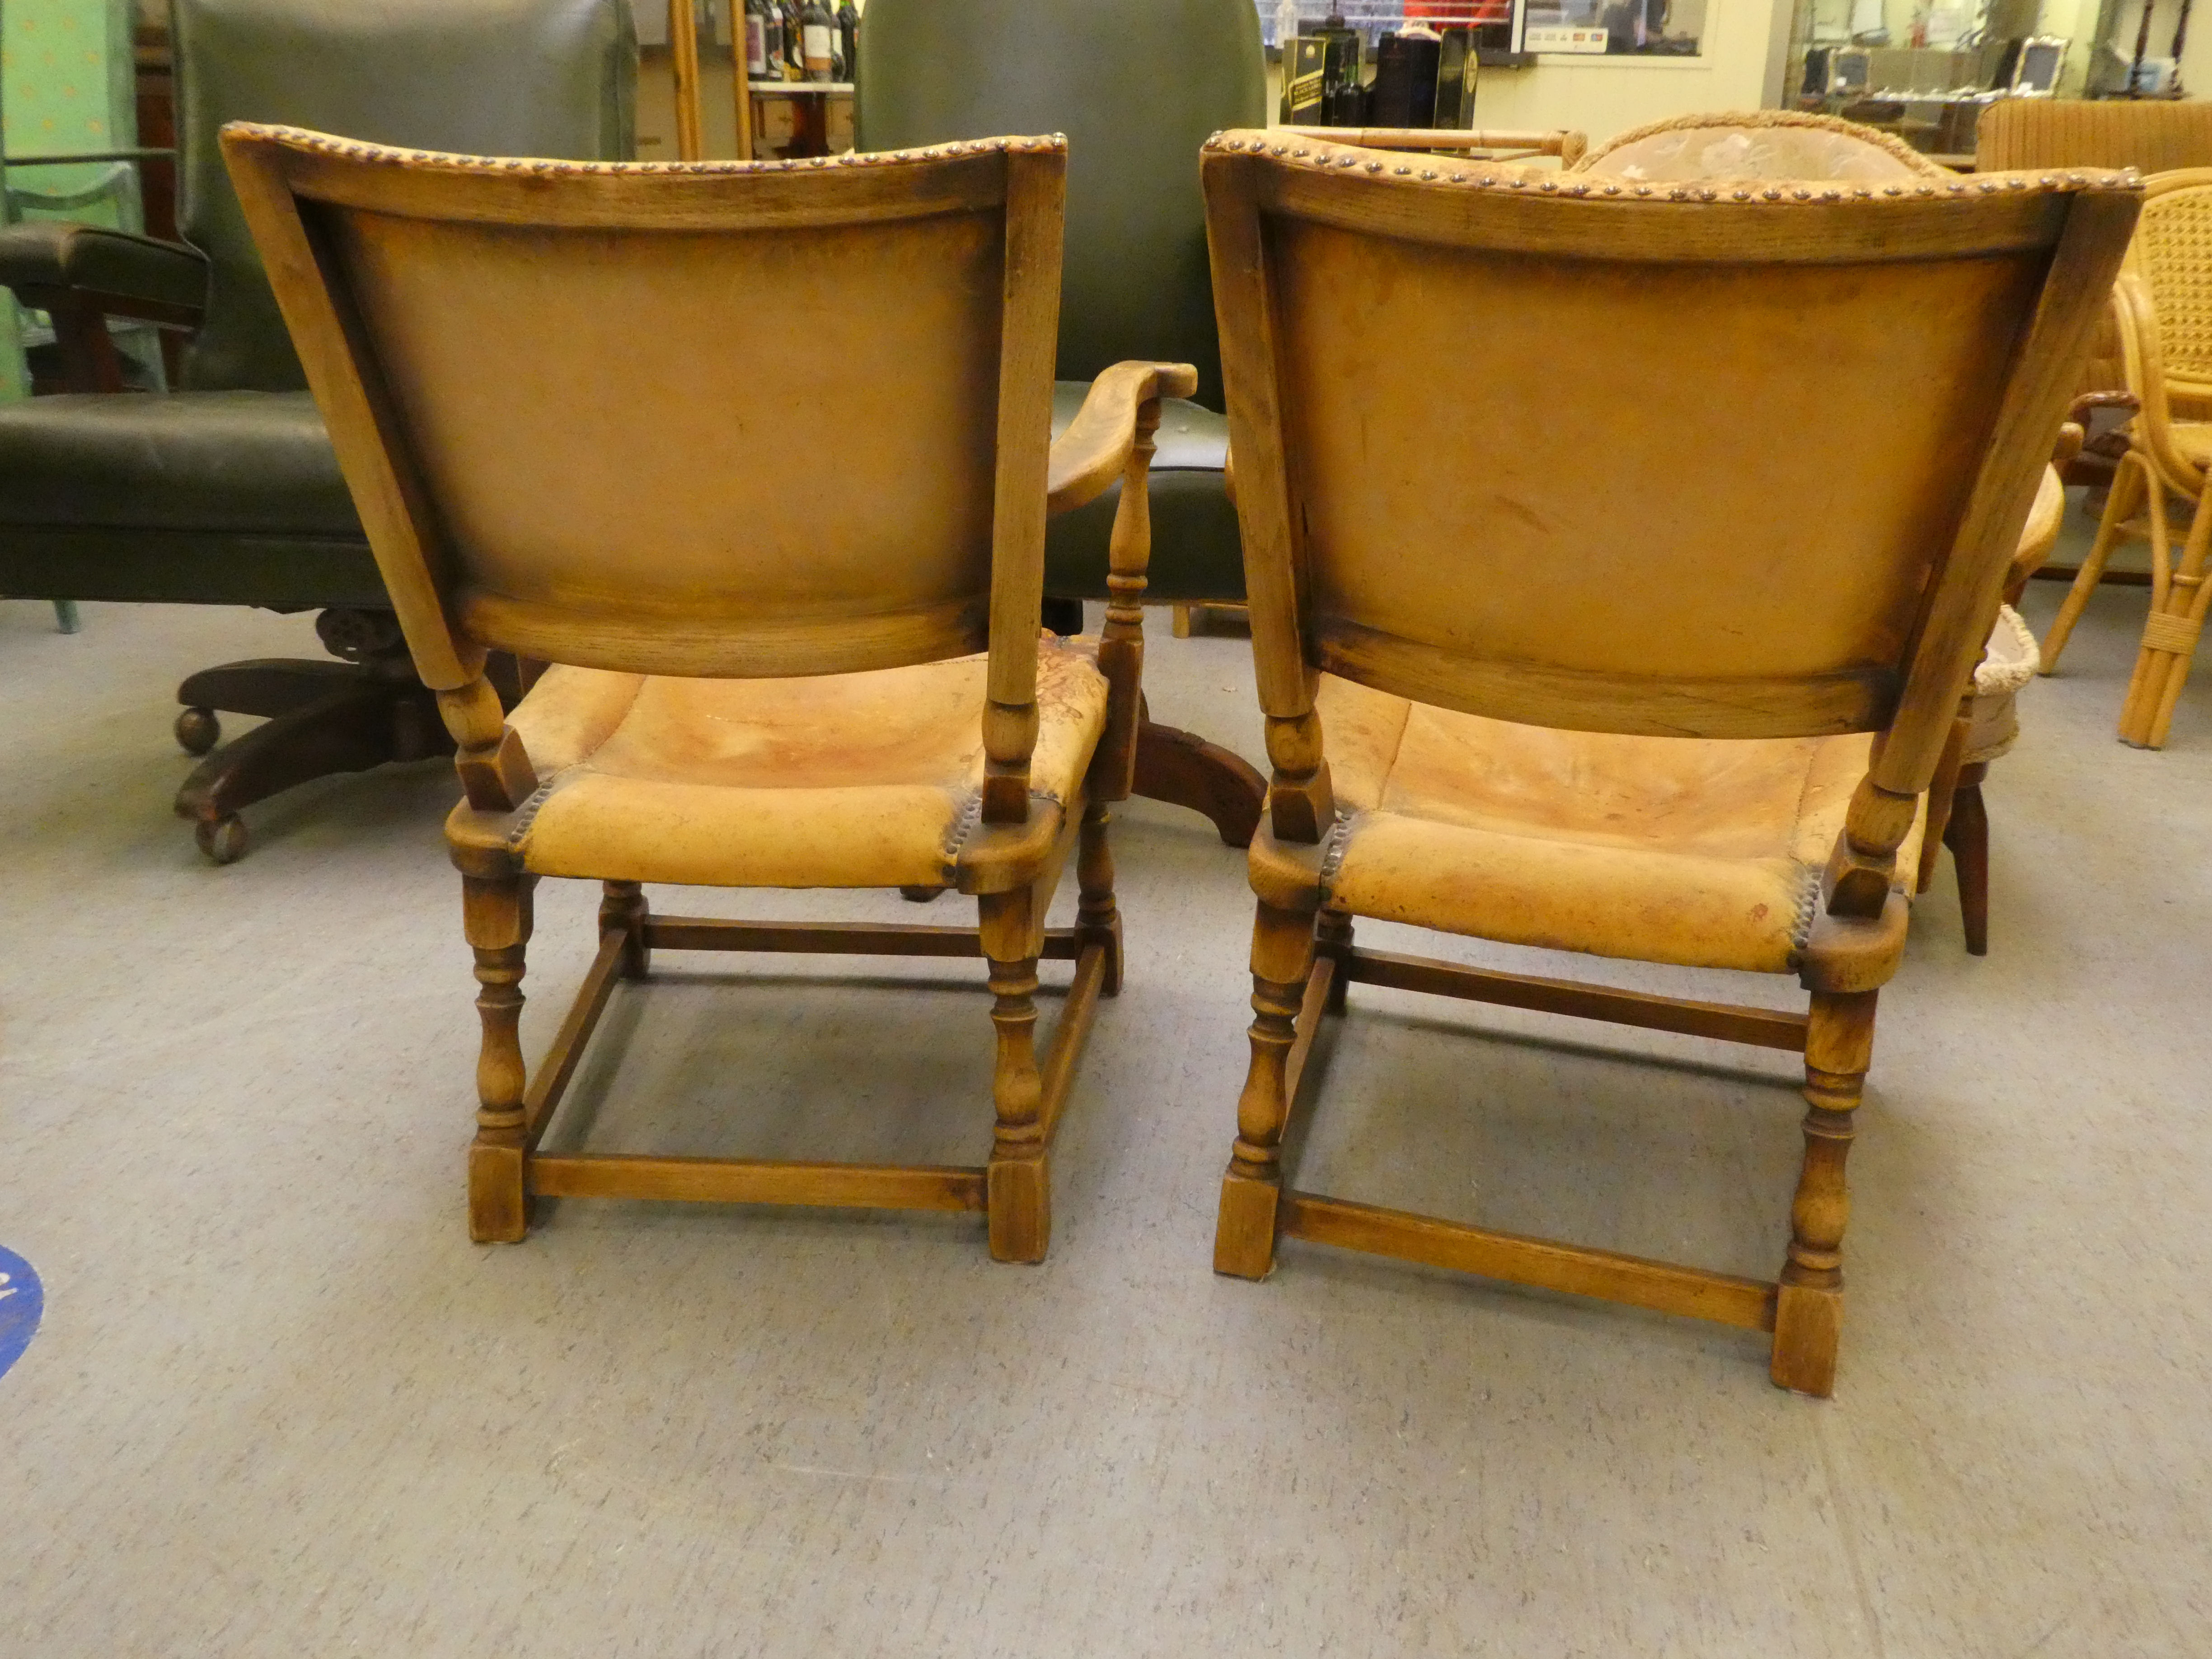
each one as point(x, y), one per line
point(1769, 425)
point(731, 422)
point(483, 77)
point(1137, 86)
point(2174, 251)
point(2150, 135)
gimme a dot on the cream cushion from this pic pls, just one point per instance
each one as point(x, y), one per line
point(870, 780)
point(1702, 852)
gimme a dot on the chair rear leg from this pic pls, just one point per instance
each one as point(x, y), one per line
point(1098, 917)
point(622, 909)
point(2120, 503)
point(1808, 1309)
point(1252, 1190)
point(1967, 835)
point(496, 914)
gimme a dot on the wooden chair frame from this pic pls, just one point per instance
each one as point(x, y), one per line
point(2152, 473)
point(1006, 866)
point(1303, 954)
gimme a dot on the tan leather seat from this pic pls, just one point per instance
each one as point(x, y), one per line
point(869, 780)
point(1689, 850)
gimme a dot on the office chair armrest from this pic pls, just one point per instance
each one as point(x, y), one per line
point(109, 272)
point(1095, 449)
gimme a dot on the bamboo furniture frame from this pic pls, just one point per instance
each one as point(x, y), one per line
point(1357, 577)
point(2165, 342)
point(410, 281)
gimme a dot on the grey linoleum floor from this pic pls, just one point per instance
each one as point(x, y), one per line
point(281, 1405)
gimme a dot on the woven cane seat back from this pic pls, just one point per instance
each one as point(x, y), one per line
point(2174, 251)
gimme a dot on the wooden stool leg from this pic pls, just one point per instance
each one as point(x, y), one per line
point(2125, 495)
point(1967, 835)
point(1251, 1191)
point(495, 914)
point(624, 910)
point(1808, 1310)
point(1096, 916)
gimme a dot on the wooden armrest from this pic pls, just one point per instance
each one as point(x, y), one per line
point(1090, 454)
point(1567, 146)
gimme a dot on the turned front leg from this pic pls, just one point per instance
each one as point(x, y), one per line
point(1017, 1189)
point(1251, 1189)
point(496, 917)
point(1809, 1302)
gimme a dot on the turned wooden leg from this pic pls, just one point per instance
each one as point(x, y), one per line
point(1097, 917)
point(1017, 1185)
point(1808, 1309)
point(624, 910)
point(1333, 937)
point(1968, 835)
point(1252, 1189)
point(496, 916)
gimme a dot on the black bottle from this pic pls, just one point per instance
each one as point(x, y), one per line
point(849, 30)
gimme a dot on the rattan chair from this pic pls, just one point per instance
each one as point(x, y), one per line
point(2162, 305)
point(565, 443)
point(1654, 713)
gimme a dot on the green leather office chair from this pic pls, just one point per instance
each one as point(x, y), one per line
point(226, 491)
point(1137, 86)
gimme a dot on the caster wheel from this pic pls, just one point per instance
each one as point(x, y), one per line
point(198, 731)
point(920, 895)
point(224, 839)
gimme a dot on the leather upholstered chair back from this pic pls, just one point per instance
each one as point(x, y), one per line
point(1797, 434)
point(511, 78)
point(1137, 86)
point(580, 405)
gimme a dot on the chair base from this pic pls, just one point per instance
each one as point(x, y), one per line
point(1011, 1192)
point(1184, 769)
point(1803, 1310)
point(321, 718)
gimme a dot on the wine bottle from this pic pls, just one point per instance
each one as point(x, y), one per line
point(848, 31)
point(794, 42)
point(756, 40)
point(817, 32)
point(772, 39)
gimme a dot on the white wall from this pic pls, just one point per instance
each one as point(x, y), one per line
point(1738, 69)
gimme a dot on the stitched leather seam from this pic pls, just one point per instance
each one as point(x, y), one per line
point(518, 827)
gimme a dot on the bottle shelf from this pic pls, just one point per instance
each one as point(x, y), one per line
point(799, 89)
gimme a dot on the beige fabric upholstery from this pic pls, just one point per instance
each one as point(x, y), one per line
point(1702, 853)
point(1757, 145)
point(867, 780)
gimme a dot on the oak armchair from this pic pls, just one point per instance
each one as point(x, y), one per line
point(1660, 718)
point(749, 690)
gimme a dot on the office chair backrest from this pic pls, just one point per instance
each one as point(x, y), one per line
point(728, 419)
point(1137, 86)
point(487, 77)
point(1792, 433)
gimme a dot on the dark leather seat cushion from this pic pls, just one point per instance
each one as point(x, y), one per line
point(187, 497)
point(1196, 552)
point(182, 460)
